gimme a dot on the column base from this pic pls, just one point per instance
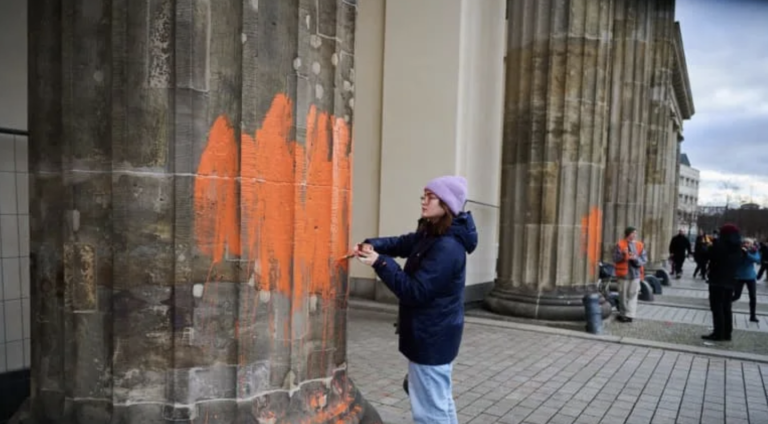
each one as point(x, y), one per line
point(318, 402)
point(561, 304)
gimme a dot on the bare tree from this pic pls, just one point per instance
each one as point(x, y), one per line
point(751, 222)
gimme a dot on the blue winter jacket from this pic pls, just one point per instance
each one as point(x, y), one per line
point(746, 269)
point(430, 288)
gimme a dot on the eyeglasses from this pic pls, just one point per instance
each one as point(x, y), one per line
point(428, 198)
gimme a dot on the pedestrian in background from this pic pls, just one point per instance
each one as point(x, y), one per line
point(679, 249)
point(724, 262)
point(701, 253)
point(430, 289)
point(763, 261)
point(629, 259)
point(746, 275)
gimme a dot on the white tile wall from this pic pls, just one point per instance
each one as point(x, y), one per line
point(14, 254)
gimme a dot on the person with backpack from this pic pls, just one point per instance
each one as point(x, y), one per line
point(430, 290)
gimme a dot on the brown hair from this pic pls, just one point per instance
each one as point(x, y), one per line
point(439, 227)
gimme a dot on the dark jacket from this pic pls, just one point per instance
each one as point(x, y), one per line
point(700, 251)
point(764, 252)
point(430, 288)
point(680, 245)
point(724, 260)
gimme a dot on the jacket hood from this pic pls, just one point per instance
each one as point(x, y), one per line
point(464, 230)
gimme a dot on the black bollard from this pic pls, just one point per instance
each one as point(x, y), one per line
point(592, 313)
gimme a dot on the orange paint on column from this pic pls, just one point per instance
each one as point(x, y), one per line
point(248, 200)
point(215, 195)
point(295, 206)
point(267, 196)
point(287, 190)
point(315, 247)
point(342, 194)
point(591, 237)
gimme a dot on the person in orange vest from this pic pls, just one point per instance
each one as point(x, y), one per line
point(629, 258)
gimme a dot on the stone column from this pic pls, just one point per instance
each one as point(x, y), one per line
point(672, 173)
point(678, 152)
point(553, 158)
point(628, 127)
point(190, 171)
point(669, 149)
point(656, 193)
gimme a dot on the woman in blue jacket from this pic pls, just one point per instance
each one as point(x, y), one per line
point(430, 289)
point(746, 275)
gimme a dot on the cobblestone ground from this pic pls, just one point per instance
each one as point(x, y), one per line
point(510, 376)
point(674, 305)
point(681, 315)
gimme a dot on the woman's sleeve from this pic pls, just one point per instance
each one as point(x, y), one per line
point(754, 257)
point(435, 271)
point(398, 247)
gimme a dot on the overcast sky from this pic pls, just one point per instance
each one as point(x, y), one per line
point(726, 48)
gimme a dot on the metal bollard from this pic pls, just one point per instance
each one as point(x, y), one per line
point(592, 313)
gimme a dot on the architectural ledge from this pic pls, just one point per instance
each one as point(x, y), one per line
point(680, 80)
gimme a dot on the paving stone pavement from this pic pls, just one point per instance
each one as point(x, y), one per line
point(702, 293)
point(689, 288)
point(697, 316)
point(510, 376)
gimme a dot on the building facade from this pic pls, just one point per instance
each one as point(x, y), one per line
point(202, 180)
point(688, 197)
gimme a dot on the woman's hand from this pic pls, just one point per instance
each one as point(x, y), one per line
point(362, 248)
point(368, 257)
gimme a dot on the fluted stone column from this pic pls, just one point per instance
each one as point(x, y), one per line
point(657, 204)
point(628, 126)
point(672, 182)
point(190, 179)
point(677, 153)
point(665, 232)
point(553, 159)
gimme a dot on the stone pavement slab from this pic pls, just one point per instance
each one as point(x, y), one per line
point(685, 315)
point(688, 282)
point(670, 306)
point(702, 293)
point(511, 376)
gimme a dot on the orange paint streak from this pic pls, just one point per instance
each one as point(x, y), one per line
point(340, 412)
point(591, 237)
point(215, 195)
point(286, 190)
point(248, 199)
point(314, 248)
point(295, 207)
point(342, 199)
point(267, 196)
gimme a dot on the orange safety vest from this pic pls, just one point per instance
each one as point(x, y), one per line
point(622, 268)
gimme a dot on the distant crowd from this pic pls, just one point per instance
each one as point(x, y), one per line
point(725, 260)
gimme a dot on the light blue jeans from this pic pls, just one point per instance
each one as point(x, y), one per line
point(431, 392)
